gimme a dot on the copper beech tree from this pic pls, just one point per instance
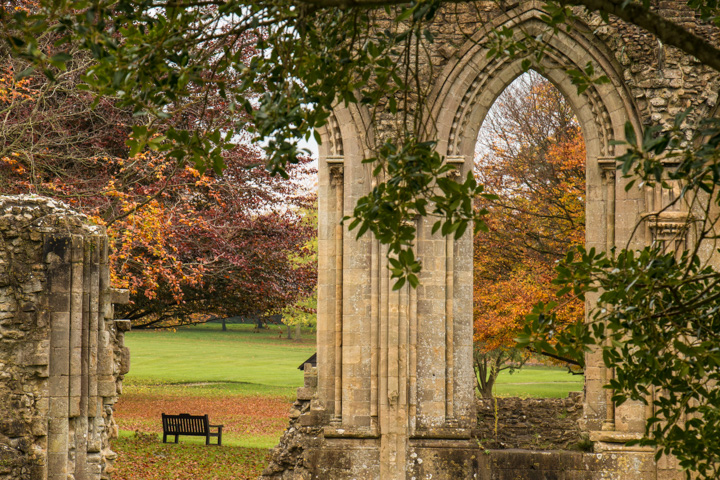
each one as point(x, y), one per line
point(188, 245)
point(532, 156)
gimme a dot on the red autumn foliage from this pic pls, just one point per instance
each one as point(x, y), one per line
point(188, 245)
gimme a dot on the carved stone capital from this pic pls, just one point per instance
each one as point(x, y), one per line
point(337, 169)
point(457, 161)
point(608, 168)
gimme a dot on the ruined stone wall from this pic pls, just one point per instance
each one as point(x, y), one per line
point(293, 458)
point(395, 383)
point(530, 423)
point(62, 357)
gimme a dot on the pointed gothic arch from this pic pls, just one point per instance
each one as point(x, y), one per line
point(394, 396)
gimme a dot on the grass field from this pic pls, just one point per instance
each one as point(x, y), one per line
point(534, 381)
point(205, 353)
point(243, 380)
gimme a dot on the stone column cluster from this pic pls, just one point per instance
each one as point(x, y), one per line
point(62, 357)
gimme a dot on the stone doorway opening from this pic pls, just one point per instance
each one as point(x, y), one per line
point(530, 153)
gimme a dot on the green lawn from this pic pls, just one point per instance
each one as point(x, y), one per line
point(257, 362)
point(533, 381)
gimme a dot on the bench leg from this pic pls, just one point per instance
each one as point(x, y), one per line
point(176, 438)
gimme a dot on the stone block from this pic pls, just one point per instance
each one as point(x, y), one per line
point(60, 283)
point(310, 380)
point(76, 248)
point(57, 466)
point(107, 310)
point(58, 409)
point(59, 386)
point(123, 325)
point(39, 426)
point(107, 388)
point(57, 444)
point(74, 407)
point(42, 406)
point(75, 385)
point(60, 321)
point(76, 361)
point(35, 354)
point(56, 248)
point(309, 419)
point(76, 316)
point(105, 363)
point(33, 286)
point(59, 361)
point(119, 296)
point(670, 475)
point(59, 338)
point(124, 361)
point(305, 393)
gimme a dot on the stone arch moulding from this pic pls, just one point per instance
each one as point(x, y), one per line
point(462, 98)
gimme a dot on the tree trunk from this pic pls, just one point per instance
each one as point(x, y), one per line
point(486, 376)
point(224, 327)
point(289, 335)
point(486, 372)
point(298, 327)
point(487, 388)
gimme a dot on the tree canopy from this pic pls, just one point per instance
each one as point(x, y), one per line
point(151, 56)
point(188, 245)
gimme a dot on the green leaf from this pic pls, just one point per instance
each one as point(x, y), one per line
point(630, 136)
point(25, 73)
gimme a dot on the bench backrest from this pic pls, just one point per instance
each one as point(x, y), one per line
point(186, 423)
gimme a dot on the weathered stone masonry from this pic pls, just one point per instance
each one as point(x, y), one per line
point(395, 389)
point(62, 357)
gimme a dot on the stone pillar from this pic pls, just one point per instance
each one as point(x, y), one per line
point(394, 366)
point(395, 387)
point(56, 329)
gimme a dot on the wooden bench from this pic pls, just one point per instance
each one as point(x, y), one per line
point(194, 425)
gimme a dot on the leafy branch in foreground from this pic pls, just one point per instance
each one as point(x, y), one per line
point(417, 182)
point(657, 317)
point(313, 55)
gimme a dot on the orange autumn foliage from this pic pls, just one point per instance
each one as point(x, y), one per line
point(534, 160)
point(188, 245)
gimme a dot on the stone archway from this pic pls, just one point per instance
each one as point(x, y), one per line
point(470, 86)
point(394, 397)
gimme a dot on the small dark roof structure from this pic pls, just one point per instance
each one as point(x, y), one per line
point(312, 361)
